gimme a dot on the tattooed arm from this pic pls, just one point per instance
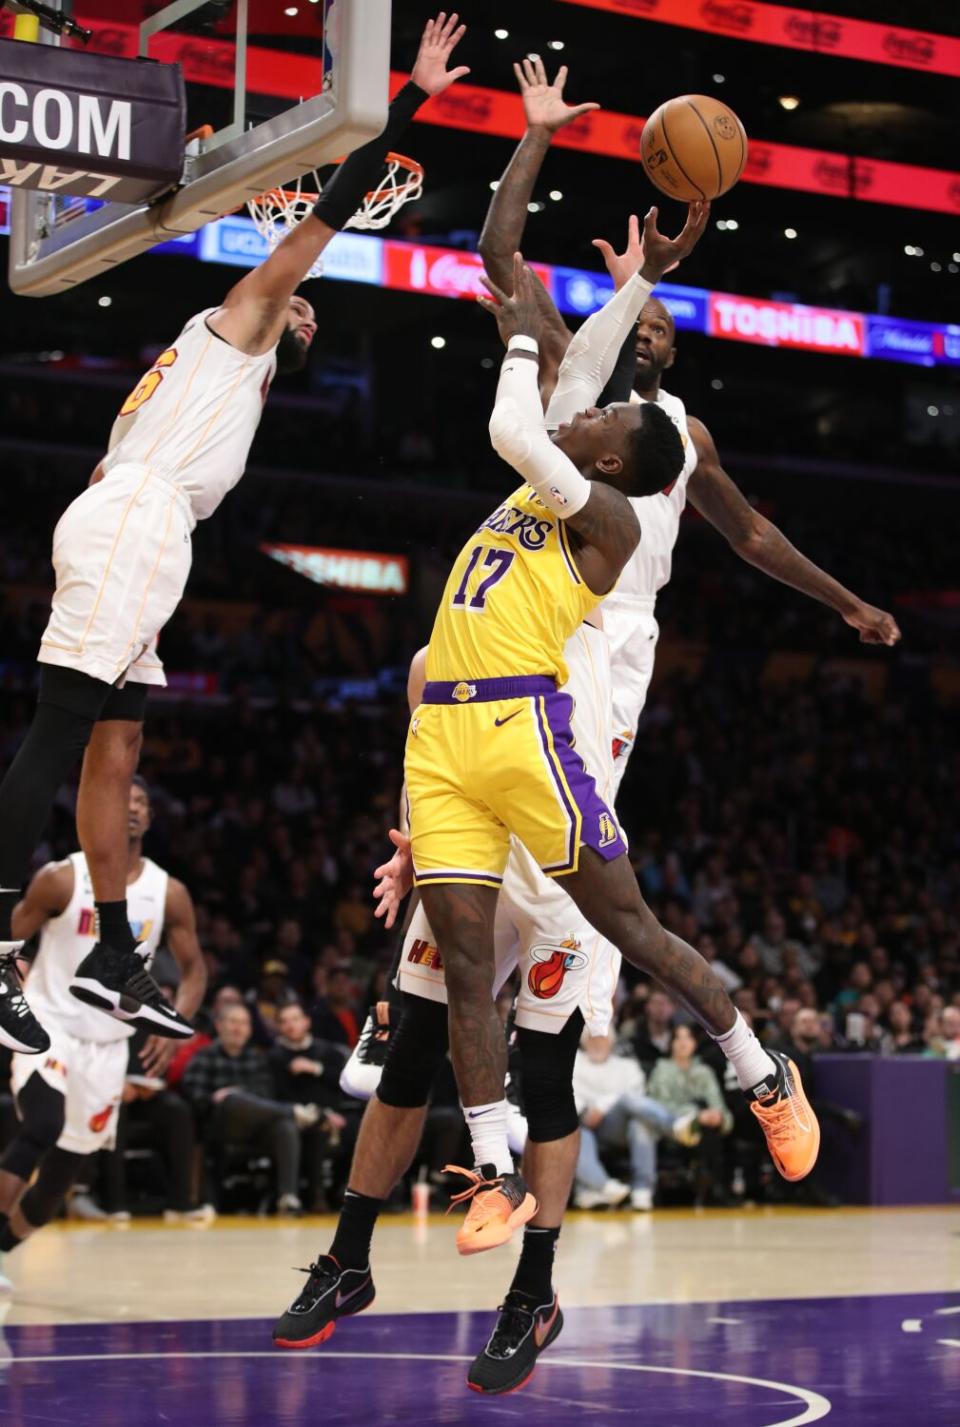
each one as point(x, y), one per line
point(759, 542)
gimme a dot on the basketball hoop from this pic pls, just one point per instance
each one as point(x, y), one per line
point(277, 212)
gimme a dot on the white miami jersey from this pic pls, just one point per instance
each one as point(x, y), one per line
point(628, 613)
point(66, 940)
point(192, 417)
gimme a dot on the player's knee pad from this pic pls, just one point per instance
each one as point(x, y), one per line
point(58, 1174)
point(546, 1080)
point(42, 1111)
point(416, 1051)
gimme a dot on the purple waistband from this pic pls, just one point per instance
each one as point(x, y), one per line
point(482, 691)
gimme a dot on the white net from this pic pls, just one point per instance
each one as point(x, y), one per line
point(276, 213)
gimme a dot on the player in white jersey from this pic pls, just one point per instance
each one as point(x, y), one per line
point(68, 1099)
point(121, 553)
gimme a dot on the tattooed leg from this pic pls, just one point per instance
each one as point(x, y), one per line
point(608, 896)
point(462, 921)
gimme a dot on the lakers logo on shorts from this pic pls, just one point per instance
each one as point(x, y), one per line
point(550, 966)
point(609, 832)
point(463, 693)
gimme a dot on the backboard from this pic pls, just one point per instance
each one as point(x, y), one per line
point(275, 87)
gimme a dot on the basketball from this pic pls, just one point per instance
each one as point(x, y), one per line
point(693, 147)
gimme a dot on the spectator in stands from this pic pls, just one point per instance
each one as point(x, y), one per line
point(334, 1012)
point(944, 1041)
point(306, 1071)
point(616, 1115)
point(652, 1037)
point(230, 1087)
point(690, 1092)
point(902, 1038)
point(273, 992)
point(773, 946)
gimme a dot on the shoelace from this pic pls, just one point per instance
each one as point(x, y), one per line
point(316, 1275)
point(15, 999)
point(780, 1118)
point(146, 990)
point(511, 1329)
point(483, 1192)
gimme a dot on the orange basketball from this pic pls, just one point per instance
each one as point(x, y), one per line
point(693, 147)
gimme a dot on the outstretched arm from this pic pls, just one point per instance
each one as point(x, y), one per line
point(603, 518)
point(593, 352)
point(759, 542)
point(180, 925)
point(545, 112)
point(502, 235)
point(254, 312)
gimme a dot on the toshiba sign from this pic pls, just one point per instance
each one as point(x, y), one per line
point(786, 324)
point(345, 569)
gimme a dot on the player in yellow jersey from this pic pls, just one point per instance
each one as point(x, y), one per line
point(490, 751)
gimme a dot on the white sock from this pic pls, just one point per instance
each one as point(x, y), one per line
point(745, 1054)
point(488, 1135)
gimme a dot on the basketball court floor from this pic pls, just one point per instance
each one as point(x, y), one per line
point(771, 1318)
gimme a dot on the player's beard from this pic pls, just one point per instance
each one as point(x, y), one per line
point(291, 353)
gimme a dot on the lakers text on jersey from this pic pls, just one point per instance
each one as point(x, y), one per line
point(490, 750)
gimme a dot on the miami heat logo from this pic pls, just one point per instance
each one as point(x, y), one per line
point(550, 966)
point(100, 1121)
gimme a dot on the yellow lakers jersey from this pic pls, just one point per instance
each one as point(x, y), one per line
point(513, 598)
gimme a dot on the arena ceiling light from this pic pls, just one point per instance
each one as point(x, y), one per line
point(789, 101)
point(789, 232)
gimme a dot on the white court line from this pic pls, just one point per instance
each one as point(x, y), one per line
point(815, 1408)
point(949, 1342)
point(734, 1322)
point(948, 1310)
point(912, 1325)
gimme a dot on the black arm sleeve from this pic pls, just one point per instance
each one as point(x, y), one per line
point(359, 172)
point(620, 385)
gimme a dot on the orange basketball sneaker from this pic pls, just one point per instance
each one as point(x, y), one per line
point(501, 1203)
point(787, 1119)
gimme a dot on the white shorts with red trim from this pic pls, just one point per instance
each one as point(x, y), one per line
point(90, 1075)
point(122, 555)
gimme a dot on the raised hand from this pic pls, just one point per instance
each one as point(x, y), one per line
point(660, 254)
point(622, 266)
point(873, 625)
point(542, 101)
point(440, 38)
point(519, 314)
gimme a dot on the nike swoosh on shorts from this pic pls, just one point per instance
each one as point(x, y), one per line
point(497, 722)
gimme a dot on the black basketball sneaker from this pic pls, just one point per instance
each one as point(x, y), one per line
point(330, 1292)
point(19, 1028)
point(119, 983)
point(523, 1330)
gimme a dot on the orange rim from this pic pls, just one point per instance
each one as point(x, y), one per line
point(414, 175)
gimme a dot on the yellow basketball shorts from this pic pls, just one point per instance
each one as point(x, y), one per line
point(489, 757)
